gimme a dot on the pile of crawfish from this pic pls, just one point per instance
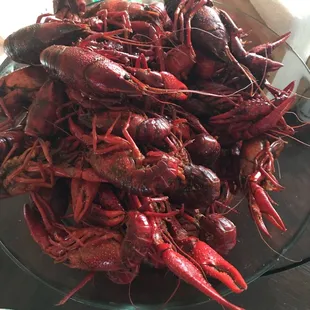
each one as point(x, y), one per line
point(133, 128)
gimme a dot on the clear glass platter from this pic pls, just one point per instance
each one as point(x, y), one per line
point(251, 255)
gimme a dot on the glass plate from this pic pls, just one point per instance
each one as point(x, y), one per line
point(251, 255)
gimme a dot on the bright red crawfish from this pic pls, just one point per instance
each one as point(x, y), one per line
point(127, 148)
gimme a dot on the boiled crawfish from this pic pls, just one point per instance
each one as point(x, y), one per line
point(137, 125)
point(257, 176)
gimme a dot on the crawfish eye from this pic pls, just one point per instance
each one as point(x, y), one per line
point(126, 77)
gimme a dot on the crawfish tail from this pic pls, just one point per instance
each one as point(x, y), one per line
point(138, 239)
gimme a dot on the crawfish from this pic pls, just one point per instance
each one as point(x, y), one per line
point(213, 31)
point(204, 257)
point(17, 91)
point(154, 177)
point(38, 37)
point(138, 239)
point(158, 173)
point(132, 126)
point(254, 117)
point(207, 258)
point(122, 12)
point(61, 62)
point(11, 143)
point(34, 169)
point(216, 230)
point(109, 212)
point(42, 112)
point(92, 248)
point(257, 175)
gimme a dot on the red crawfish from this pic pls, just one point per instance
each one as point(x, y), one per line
point(82, 70)
point(208, 106)
point(11, 142)
point(108, 210)
point(26, 44)
point(257, 176)
point(120, 129)
point(254, 117)
point(34, 169)
point(152, 178)
point(201, 257)
point(216, 230)
point(210, 29)
point(17, 91)
point(43, 111)
point(91, 248)
point(122, 12)
point(209, 259)
point(138, 239)
point(158, 173)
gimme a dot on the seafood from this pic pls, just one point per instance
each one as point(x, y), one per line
point(257, 171)
point(133, 128)
point(212, 30)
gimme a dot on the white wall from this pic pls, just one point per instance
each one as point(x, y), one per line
point(288, 15)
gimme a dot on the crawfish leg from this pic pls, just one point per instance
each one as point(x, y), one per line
point(15, 146)
point(156, 39)
point(188, 27)
point(126, 134)
point(9, 119)
point(87, 279)
point(117, 143)
point(40, 182)
point(78, 133)
point(266, 166)
point(141, 62)
point(27, 157)
point(83, 193)
point(107, 17)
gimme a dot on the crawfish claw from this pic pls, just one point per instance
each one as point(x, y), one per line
point(214, 265)
point(266, 49)
point(36, 228)
point(262, 206)
point(188, 272)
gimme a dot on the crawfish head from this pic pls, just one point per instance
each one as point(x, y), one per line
point(98, 249)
